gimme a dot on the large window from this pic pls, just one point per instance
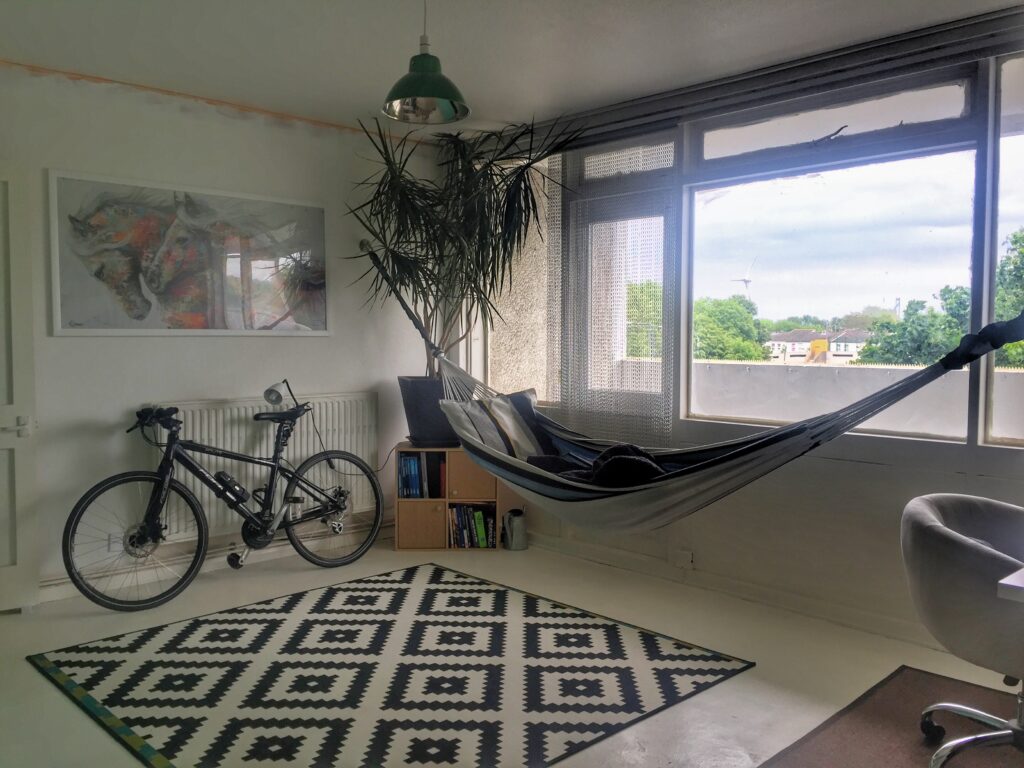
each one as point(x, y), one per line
point(767, 262)
point(1007, 417)
point(786, 270)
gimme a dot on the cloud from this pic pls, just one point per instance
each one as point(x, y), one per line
point(832, 242)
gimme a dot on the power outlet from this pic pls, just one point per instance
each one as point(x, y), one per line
point(682, 558)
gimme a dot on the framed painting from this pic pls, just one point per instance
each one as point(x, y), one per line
point(132, 258)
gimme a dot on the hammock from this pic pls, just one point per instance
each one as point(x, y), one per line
point(503, 432)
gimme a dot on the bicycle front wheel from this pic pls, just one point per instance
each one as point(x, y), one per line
point(117, 559)
point(335, 508)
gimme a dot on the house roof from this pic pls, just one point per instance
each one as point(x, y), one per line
point(852, 336)
point(798, 335)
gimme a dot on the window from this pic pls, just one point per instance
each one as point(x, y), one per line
point(922, 105)
point(799, 281)
point(628, 160)
point(625, 339)
point(827, 252)
point(1007, 417)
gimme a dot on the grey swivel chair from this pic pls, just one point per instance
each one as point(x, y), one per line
point(955, 550)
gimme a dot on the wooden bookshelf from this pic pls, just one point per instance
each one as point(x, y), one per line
point(422, 521)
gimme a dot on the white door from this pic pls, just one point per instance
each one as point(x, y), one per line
point(19, 569)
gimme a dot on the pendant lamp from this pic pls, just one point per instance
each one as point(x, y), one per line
point(425, 95)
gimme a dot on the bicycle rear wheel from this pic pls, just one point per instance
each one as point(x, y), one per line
point(116, 560)
point(340, 508)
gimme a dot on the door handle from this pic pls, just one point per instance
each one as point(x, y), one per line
point(22, 425)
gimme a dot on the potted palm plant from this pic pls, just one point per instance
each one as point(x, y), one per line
point(445, 244)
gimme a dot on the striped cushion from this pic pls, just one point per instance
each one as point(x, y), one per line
point(497, 423)
point(519, 438)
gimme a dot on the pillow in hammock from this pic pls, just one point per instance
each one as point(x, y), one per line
point(499, 424)
point(525, 403)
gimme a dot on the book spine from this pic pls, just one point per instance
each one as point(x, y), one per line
point(467, 540)
point(481, 532)
point(403, 485)
point(490, 530)
point(414, 478)
point(421, 467)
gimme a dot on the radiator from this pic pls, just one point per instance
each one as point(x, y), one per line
point(347, 422)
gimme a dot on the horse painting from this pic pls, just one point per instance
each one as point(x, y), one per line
point(111, 239)
point(203, 262)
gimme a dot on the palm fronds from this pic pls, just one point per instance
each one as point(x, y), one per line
point(449, 244)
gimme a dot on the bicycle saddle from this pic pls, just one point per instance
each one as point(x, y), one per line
point(292, 414)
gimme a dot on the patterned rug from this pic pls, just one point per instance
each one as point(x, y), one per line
point(423, 666)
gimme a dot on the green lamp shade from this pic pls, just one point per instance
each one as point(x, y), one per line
point(425, 95)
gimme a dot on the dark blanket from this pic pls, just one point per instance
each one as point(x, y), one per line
point(620, 466)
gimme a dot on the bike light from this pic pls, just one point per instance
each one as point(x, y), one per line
point(275, 394)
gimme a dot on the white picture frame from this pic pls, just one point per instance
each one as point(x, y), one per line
point(138, 258)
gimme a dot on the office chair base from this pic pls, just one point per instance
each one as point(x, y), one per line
point(1003, 733)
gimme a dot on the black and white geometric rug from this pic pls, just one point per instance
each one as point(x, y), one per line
point(423, 666)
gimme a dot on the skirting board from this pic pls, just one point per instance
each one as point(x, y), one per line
point(855, 618)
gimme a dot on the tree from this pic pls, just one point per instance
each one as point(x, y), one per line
point(794, 322)
point(864, 319)
point(727, 329)
point(643, 319)
point(1010, 294)
point(956, 302)
point(920, 338)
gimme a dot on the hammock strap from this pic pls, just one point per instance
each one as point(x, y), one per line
point(988, 339)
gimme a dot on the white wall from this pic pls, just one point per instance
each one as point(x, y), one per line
point(87, 387)
point(822, 534)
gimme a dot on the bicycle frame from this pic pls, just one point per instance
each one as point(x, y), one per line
point(176, 450)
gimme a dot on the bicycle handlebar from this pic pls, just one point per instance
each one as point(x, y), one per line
point(147, 417)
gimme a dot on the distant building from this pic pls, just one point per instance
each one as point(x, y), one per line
point(805, 345)
point(794, 346)
point(844, 347)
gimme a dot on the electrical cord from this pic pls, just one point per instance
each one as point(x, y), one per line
point(320, 438)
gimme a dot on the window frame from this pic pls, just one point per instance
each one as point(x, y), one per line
point(977, 129)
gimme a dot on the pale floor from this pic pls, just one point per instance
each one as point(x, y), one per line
point(806, 668)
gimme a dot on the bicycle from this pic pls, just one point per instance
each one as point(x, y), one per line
point(135, 540)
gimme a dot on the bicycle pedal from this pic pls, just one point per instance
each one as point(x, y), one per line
point(235, 561)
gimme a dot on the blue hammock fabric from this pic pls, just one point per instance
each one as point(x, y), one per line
point(564, 475)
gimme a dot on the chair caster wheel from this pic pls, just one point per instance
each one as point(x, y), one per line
point(933, 734)
point(235, 560)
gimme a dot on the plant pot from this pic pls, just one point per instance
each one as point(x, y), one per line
point(428, 426)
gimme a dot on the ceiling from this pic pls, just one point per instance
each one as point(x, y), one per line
point(513, 60)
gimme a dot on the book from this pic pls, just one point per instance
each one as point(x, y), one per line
point(403, 477)
point(421, 468)
point(414, 477)
point(408, 477)
point(481, 532)
point(435, 475)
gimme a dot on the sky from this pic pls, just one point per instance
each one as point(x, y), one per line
point(833, 242)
